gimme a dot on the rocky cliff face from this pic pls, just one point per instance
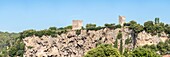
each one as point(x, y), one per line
point(72, 45)
point(146, 38)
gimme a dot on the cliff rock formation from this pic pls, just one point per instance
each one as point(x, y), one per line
point(72, 45)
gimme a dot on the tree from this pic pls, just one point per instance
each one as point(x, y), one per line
point(167, 29)
point(156, 20)
point(127, 53)
point(135, 27)
point(17, 49)
point(132, 22)
point(158, 28)
point(90, 26)
point(53, 28)
point(143, 52)
point(154, 29)
point(121, 47)
point(116, 43)
point(148, 26)
point(103, 50)
point(126, 24)
point(152, 47)
point(111, 26)
point(78, 32)
point(128, 41)
point(27, 33)
point(162, 47)
point(138, 28)
point(148, 23)
point(119, 36)
point(117, 26)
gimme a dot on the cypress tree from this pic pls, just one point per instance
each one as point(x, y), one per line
point(121, 46)
point(116, 43)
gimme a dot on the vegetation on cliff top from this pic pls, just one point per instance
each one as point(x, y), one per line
point(12, 42)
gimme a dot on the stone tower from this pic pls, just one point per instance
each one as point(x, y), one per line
point(77, 24)
point(122, 20)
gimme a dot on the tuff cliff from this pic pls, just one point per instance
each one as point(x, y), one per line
point(72, 45)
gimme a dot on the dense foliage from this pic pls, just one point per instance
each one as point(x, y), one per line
point(103, 50)
point(143, 52)
point(106, 50)
point(128, 41)
point(111, 26)
point(13, 47)
point(52, 31)
point(135, 27)
point(162, 47)
point(119, 36)
point(7, 40)
point(94, 27)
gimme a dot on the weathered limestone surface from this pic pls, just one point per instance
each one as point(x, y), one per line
point(72, 45)
point(146, 38)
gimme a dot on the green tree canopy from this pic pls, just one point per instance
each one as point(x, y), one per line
point(143, 52)
point(136, 27)
point(111, 26)
point(53, 28)
point(103, 50)
point(90, 25)
point(68, 27)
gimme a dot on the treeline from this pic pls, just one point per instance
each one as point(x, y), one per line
point(9, 44)
point(162, 47)
point(154, 27)
point(54, 31)
point(107, 50)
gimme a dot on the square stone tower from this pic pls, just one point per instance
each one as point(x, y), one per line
point(77, 24)
point(122, 20)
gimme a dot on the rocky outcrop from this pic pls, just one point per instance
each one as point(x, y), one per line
point(72, 45)
point(69, 44)
point(146, 38)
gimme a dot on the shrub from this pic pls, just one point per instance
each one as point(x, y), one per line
point(119, 36)
point(143, 52)
point(103, 50)
point(78, 32)
point(30, 47)
point(111, 26)
point(128, 41)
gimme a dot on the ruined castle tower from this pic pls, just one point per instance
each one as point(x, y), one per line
point(122, 20)
point(77, 24)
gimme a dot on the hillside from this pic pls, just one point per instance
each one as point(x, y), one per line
point(7, 40)
point(72, 45)
point(153, 36)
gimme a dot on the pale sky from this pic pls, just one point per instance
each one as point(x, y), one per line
point(19, 15)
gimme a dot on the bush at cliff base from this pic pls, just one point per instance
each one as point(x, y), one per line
point(103, 50)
